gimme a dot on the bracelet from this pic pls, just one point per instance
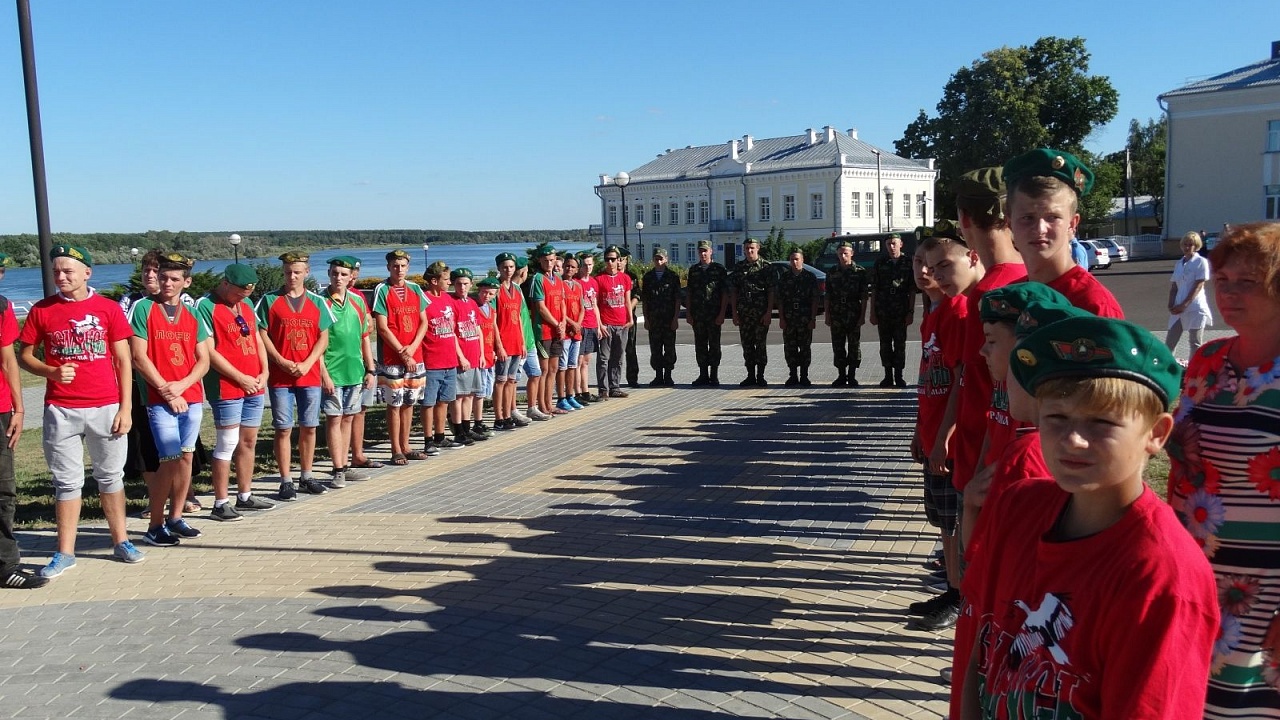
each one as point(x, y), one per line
point(369, 372)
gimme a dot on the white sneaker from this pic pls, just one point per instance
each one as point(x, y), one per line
point(536, 414)
point(519, 416)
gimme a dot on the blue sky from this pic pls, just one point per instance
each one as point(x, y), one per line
point(238, 115)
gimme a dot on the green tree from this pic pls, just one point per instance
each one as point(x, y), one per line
point(1146, 144)
point(1007, 102)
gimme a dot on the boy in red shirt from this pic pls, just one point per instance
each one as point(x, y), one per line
point(509, 345)
point(171, 354)
point(467, 325)
point(442, 355)
point(87, 398)
point(590, 326)
point(486, 291)
point(615, 301)
point(1090, 603)
point(546, 295)
point(12, 412)
point(400, 314)
point(567, 377)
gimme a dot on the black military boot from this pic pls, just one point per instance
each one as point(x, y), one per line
point(715, 376)
point(888, 378)
point(841, 379)
point(666, 378)
point(853, 377)
point(751, 377)
point(804, 377)
point(702, 377)
point(792, 380)
point(760, 381)
point(898, 379)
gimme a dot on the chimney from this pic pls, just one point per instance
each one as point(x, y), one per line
point(853, 133)
point(813, 136)
point(733, 149)
point(831, 133)
point(748, 142)
point(1275, 49)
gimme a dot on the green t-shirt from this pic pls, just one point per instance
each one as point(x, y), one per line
point(344, 356)
point(530, 340)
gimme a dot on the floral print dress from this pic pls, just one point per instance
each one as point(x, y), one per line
point(1224, 483)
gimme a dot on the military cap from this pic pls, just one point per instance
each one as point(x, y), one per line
point(1045, 162)
point(584, 254)
point(704, 245)
point(177, 258)
point(75, 252)
point(624, 252)
point(488, 282)
point(293, 256)
point(1005, 304)
point(345, 261)
point(942, 228)
point(613, 249)
point(750, 241)
point(981, 184)
point(659, 251)
point(3, 259)
point(240, 275)
point(437, 268)
point(543, 251)
point(522, 262)
point(1083, 347)
point(461, 273)
point(503, 257)
point(1039, 313)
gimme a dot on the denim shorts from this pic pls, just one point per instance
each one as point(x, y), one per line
point(241, 411)
point(442, 386)
point(590, 340)
point(368, 396)
point(175, 433)
point(486, 383)
point(283, 400)
point(569, 354)
point(468, 383)
point(344, 401)
point(532, 368)
point(509, 369)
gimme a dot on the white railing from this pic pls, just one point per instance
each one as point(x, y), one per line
point(1140, 246)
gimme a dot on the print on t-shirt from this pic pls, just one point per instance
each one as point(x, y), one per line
point(1035, 669)
point(85, 340)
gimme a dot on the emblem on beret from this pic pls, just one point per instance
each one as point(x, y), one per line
point(1081, 350)
point(1002, 307)
point(1026, 357)
point(1026, 320)
point(1079, 179)
point(1059, 162)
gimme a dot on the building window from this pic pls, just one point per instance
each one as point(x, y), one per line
point(730, 209)
point(704, 212)
point(888, 208)
point(906, 206)
point(856, 204)
point(870, 208)
point(920, 206)
point(766, 212)
point(1273, 136)
point(673, 214)
point(691, 254)
point(688, 212)
point(1273, 202)
point(788, 207)
point(626, 215)
point(655, 214)
point(815, 206)
point(613, 216)
point(639, 213)
point(675, 253)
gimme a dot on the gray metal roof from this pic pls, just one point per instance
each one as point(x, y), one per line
point(1259, 74)
point(770, 155)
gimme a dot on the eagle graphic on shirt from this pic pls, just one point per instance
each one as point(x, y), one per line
point(1029, 667)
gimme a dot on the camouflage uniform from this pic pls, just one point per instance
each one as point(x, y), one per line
point(846, 294)
point(796, 292)
point(633, 361)
point(661, 297)
point(750, 282)
point(894, 288)
point(707, 285)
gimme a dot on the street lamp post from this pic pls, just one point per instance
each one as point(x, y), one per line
point(640, 238)
point(425, 260)
point(133, 253)
point(235, 246)
point(888, 209)
point(879, 224)
point(924, 216)
point(621, 180)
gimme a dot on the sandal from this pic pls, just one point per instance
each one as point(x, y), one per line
point(368, 464)
point(416, 455)
point(398, 459)
point(191, 507)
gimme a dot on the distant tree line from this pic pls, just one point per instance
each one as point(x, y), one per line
point(108, 248)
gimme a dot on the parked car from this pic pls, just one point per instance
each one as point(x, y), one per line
point(1118, 252)
point(782, 266)
point(1209, 240)
point(1099, 258)
point(866, 248)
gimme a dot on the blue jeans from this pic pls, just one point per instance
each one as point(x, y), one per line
point(442, 386)
point(175, 433)
point(283, 400)
point(241, 411)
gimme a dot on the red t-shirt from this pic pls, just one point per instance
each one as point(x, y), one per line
point(1085, 292)
point(467, 324)
point(401, 306)
point(613, 297)
point(236, 342)
point(573, 297)
point(171, 344)
point(590, 315)
point(294, 332)
point(1001, 427)
point(8, 335)
point(79, 331)
point(1120, 624)
point(487, 318)
point(549, 291)
point(509, 325)
point(439, 348)
point(941, 336)
point(975, 380)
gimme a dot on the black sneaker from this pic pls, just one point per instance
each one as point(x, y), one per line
point(462, 440)
point(180, 528)
point(940, 619)
point(19, 579)
point(930, 606)
point(475, 434)
point(481, 428)
point(444, 443)
point(253, 503)
point(431, 448)
point(288, 492)
point(505, 424)
point(312, 485)
point(226, 512)
point(160, 537)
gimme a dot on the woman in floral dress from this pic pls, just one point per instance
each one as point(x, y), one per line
point(1225, 473)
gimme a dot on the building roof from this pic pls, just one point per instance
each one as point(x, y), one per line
point(770, 155)
point(1259, 74)
point(1144, 206)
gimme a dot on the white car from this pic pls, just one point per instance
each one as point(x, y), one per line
point(1099, 258)
point(1117, 251)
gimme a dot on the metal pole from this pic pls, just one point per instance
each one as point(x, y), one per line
point(625, 245)
point(37, 144)
point(880, 212)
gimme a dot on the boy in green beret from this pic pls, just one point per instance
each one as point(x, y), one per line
point(348, 367)
point(467, 326)
point(1088, 600)
point(400, 316)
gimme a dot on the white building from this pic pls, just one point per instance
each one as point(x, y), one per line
point(1223, 161)
point(809, 185)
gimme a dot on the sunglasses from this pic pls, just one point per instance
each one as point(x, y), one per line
point(610, 259)
point(244, 326)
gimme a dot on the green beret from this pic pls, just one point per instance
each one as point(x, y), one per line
point(3, 259)
point(750, 241)
point(1040, 313)
point(1044, 162)
point(294, 256)
point(345, 261)
point(543, 251)
point(982, 184)
point(74, 252)
point(1005, 304)
point(503, 257)
point(461, 273)
point(178, 259)
point(659, 251)
point(522, 262)
point(1084, 347)
point(242, 276)
point(437, 268)
point(704, 245)
point(488, 282)
point(584, 254)
point(942, 228)
point(396, 255)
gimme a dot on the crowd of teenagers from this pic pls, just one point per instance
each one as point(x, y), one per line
point(1074, 591)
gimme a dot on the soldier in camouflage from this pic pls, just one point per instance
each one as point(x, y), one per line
point(893, 294)
point(845, 304)
point(795, 294)
point(707, 298)
point(633, 360)
point(749, 294)
point(660, 292)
